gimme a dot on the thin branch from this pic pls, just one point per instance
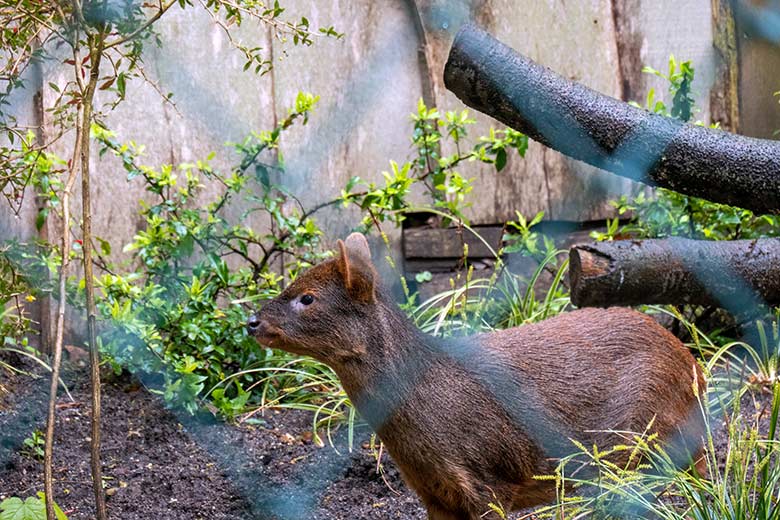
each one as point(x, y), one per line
point(166, 99)
point(78, 14)
point(281, 26)
point(77, 70)
point(143, 27)
point(48, 483)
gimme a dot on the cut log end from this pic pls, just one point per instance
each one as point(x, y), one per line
point(585, 263)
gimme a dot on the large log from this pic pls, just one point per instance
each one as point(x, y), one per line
point(735, 275)
point(608, 133)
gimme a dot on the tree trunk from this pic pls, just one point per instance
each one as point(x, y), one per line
point(608, 133)
point(736, 275)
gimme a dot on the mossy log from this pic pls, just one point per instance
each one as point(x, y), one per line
point(735, 275)
point(610, 134)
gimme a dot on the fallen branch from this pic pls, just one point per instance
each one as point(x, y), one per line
point(735, 275)
point(608, 133)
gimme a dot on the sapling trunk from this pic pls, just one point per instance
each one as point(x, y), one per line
point(81, 154)
point(48, 483)
point(96, 53)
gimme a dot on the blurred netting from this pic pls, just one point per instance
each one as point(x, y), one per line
point(366, 87)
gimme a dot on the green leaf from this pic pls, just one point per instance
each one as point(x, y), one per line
point(40, 219)
point(105, 247)
point(120, 84)
point(14, 509)
point(500, 159)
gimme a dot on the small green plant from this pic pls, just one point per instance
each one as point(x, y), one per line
point(33, 445)
point(521, 238)
point(31, 508)
point(680, 78)
point(667, 213)
point(742, 481)
point(432, 170)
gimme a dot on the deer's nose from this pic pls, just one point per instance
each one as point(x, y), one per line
point(254, 324)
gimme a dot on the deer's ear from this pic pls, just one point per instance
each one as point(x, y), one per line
point(356, 269)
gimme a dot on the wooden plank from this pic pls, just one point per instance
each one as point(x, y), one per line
point(724, 96)
point(759, 61)
point(626, 15)
point(449, 242)
point(437, 249)
point(444, 265)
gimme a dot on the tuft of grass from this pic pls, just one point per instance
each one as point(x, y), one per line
point(501, 301)
point(298, 383)
point(32, 354)
point(523, 301)
point(742, 480)
point(734, 367)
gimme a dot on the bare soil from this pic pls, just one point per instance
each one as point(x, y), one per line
point(164, 465)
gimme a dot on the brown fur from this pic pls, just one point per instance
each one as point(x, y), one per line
point(470, 421)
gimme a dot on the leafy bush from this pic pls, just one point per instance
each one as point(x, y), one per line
point(24, 277)
point(178, 320)
point(14, 290)
point(176, 315)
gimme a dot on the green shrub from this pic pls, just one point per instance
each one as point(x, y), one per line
point(178, 320)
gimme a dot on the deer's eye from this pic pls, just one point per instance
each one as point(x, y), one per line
point(307, 299)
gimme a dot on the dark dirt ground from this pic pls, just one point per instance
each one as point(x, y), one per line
point(161, 465)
